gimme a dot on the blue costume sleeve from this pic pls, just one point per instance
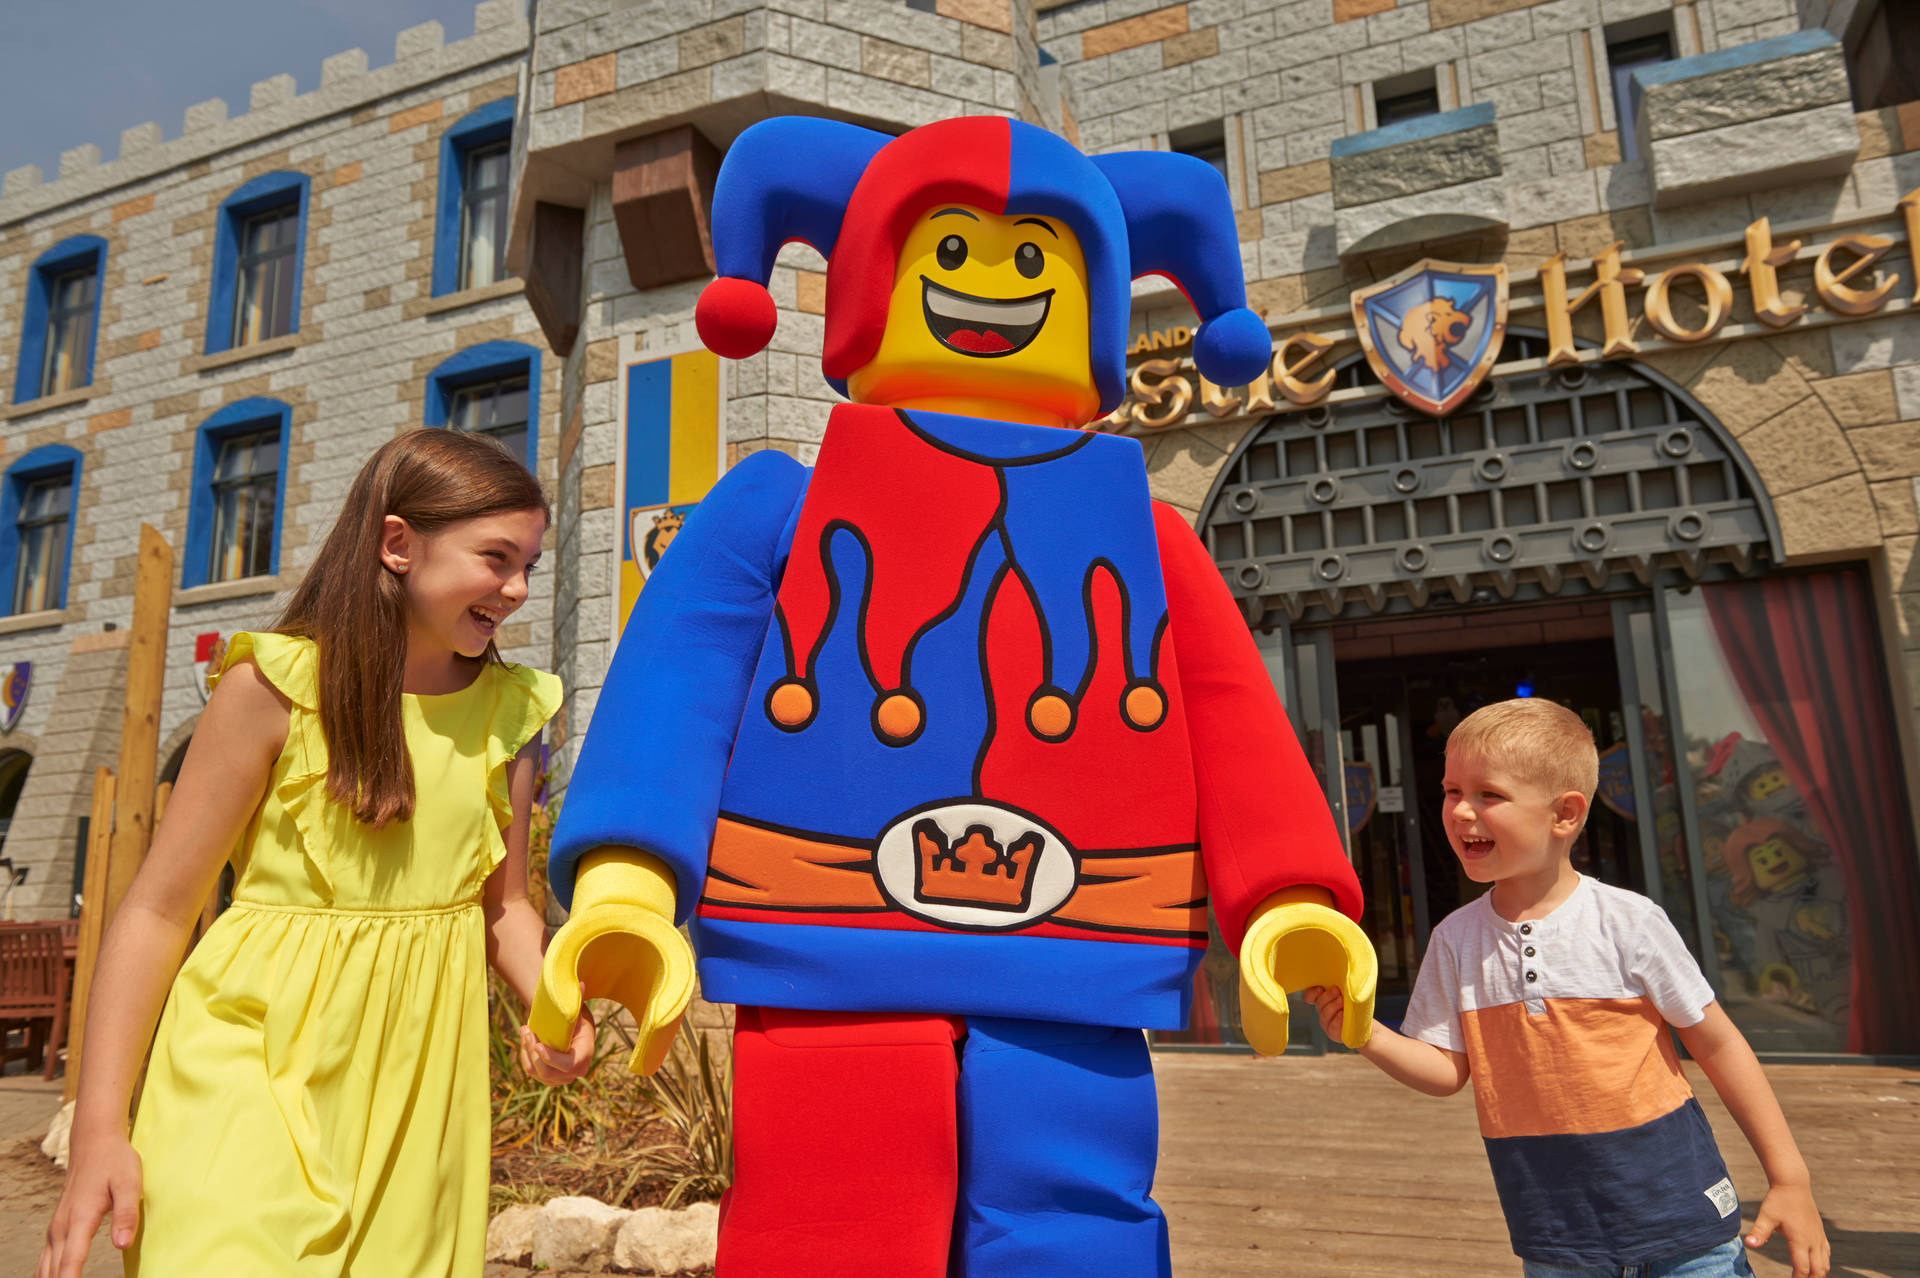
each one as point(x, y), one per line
point(679, 682)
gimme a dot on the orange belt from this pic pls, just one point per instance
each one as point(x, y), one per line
point(750, 866)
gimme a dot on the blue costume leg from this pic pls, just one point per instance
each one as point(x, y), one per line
point(1058, 1135)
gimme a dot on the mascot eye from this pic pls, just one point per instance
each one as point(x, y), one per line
point(1027, 260)
point(951, 253)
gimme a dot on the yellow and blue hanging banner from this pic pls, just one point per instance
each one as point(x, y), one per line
point(672, 450)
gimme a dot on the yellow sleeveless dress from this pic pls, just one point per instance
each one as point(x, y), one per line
point(316, 1103)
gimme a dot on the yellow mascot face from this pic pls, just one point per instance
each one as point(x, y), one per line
point(988, 317)
point(1775, 864)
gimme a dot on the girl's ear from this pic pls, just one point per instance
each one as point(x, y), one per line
point(396, 545)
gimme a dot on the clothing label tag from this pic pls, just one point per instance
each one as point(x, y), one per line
point(1723, 1197)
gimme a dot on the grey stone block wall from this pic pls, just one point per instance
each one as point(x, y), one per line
point(369, 334)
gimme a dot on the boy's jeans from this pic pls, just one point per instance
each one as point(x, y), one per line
point(1728, 1260)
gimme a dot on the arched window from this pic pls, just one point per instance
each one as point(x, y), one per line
point(39, 499)
point(259, 252)
point(61, 319)
point(470, 216)
point(490, 389)
point(239, 483)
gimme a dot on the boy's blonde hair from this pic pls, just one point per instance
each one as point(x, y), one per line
point(1536, 740)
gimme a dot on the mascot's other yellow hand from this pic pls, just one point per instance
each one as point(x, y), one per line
point(620, 943)
point(1293, 941)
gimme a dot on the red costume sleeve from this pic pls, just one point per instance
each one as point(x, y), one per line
point(1264, 823)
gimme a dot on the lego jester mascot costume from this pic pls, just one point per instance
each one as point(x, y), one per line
point(958, 731)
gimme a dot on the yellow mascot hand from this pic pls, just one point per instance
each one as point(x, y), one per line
point(1294, 941)
point(619, 943)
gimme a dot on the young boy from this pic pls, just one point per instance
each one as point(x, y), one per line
point(1554, 992)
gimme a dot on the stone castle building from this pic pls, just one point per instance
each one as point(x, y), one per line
point(1678, 494)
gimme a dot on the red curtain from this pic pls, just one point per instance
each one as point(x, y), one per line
point(1803, 651)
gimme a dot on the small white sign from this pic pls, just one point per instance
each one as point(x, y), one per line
point(1392, 799)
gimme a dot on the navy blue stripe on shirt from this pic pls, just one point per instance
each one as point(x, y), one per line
point(1624, 1197)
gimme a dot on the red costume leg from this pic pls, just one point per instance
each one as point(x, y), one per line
point(845, 1155)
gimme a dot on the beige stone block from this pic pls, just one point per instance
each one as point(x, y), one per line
point(147, 340)
point(603, 361)
point(647, 102)
point(1181, 467)
point(133, 208)
point(713, 43)
point(994, 15)
point(1584, 237)
point(1452, 13)
point(1282, 295)
point(596, 487)
point(1903, 570)
point(422, 114)
point(1348, 10)
point(1907, 116)
point(1746, 383)
point(1828, 518)
point(1894, 500)
point(346, 174)
point(1888, 452)
point(1800, 448)
point(1860, 399)
point(1297, 181)
point(579, 81)
point(1130, 33)
point(811, 292)
point(1879, 132)
point(1190, 47)
point(896, 62)
point(1601, 149)
point(113, 420)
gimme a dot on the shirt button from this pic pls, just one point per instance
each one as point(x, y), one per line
point(1526, 929)
point(1532, 977)
point(1529, 951)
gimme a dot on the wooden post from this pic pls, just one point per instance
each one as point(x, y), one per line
point(140, 725)
point(93, 901)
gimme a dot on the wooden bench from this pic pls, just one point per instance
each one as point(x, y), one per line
point(33, 992)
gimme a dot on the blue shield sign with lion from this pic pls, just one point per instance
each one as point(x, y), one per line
point(1432, 331)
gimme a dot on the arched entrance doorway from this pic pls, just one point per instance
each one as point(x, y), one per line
point(1591, 535)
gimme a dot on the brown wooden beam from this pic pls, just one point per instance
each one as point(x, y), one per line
point(140, 723)
point(662, 195)
point(553, 274)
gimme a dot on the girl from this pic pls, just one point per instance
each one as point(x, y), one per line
point(316, 1101)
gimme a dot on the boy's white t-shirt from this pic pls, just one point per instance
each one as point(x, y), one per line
point(1600, 1153)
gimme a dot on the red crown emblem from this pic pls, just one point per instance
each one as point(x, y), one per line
point(976, 870)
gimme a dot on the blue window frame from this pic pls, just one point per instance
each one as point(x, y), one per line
point(238, 495)
point(492, 389)
point(259, 255)
point(39, 505)
point(61, 318)
point(470, 216)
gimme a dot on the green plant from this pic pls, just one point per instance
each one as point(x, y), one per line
point(693, 1095)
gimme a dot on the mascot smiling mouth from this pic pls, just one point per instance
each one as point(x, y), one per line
point(983, 326)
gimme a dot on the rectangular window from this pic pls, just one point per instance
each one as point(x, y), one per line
point(245, 477)
point(497, 408)
point(263, 301)
point(69, 357)
point(1405, 97)
point(42, 528)
point(1623, 55)
point(483, 216)
point(1203, 142)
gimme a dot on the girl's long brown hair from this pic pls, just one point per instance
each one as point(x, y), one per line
point(355, 609)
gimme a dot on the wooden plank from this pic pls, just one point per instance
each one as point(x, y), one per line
point(93, 901)
point(140, 723)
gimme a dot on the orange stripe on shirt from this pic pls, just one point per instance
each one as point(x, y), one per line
point(1583, 1065)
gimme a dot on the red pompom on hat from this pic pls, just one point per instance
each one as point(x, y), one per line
point(735, 317)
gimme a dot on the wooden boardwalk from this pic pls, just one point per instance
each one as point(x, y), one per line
point(1310, 1166)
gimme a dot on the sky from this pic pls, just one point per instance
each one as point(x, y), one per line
point(79, 71)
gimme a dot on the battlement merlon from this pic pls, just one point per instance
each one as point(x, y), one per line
point(421, 56)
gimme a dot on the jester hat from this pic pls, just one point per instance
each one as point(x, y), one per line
point(853, 194)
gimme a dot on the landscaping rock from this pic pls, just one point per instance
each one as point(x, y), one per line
point(575, 1233)
point(657, 1240)
point(59, 1136)
point(510, 1234)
